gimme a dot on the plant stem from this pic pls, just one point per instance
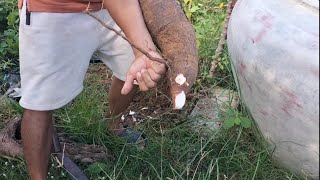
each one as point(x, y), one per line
point(222, 41)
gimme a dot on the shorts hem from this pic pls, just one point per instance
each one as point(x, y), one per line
point(50, 107)
point(122, 78)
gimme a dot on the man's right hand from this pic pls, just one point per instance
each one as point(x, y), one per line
point(145, 71)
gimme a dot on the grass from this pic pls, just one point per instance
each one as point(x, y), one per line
point(172, 153)
point(175, 151)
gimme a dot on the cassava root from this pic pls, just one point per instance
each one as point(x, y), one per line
point(175, 38)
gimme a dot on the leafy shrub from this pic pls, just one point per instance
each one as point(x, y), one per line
point(9, 25)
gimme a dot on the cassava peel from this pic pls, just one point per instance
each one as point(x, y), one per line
point(175, 37)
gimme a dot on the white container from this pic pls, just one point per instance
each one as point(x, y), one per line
point(274, 47)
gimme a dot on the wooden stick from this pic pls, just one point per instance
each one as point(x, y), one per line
point(223, 36)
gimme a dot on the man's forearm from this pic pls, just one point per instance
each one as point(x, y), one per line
point(127, 14)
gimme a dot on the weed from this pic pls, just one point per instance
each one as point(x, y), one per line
point(233, 117)
point(9, 41)
point(77, 117)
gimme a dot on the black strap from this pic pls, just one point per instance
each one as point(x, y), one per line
point(74, 171)
point(28, 14)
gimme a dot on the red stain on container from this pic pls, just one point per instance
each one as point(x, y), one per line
point(242, 68)
point(285, 108)
point(292, 102)
point(293, 99)
point(266, 21)
point(264, 113)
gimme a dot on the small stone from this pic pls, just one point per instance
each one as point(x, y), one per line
point(205, 115)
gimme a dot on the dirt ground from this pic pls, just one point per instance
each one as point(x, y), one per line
point(154, 104)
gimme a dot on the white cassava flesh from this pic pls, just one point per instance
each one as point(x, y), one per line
point(180, 100)
point(180, 79)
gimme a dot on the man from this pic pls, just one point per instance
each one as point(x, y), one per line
point(57, 40)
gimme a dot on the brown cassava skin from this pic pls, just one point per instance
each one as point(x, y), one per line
point(175, 37)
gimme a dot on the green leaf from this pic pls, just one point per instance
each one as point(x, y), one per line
point(9, 41)
point(3, 44)
point(12, 17)
point(228, 123)
point(237, 121)
point(230, 112)
point(245, 122)
point(194, 9)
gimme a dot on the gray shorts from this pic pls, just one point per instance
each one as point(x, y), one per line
point(55, 51)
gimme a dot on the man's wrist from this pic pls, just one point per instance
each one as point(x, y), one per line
point(138, 53)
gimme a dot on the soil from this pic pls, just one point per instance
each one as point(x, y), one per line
point(154, 104)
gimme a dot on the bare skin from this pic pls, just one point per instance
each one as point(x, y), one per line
point(36, 133)
point(118, 103)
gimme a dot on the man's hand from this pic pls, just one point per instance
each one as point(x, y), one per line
point(128, 16)
point(145, 71)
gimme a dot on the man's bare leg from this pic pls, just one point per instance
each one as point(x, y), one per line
point(36, 132)
point(118, 103)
